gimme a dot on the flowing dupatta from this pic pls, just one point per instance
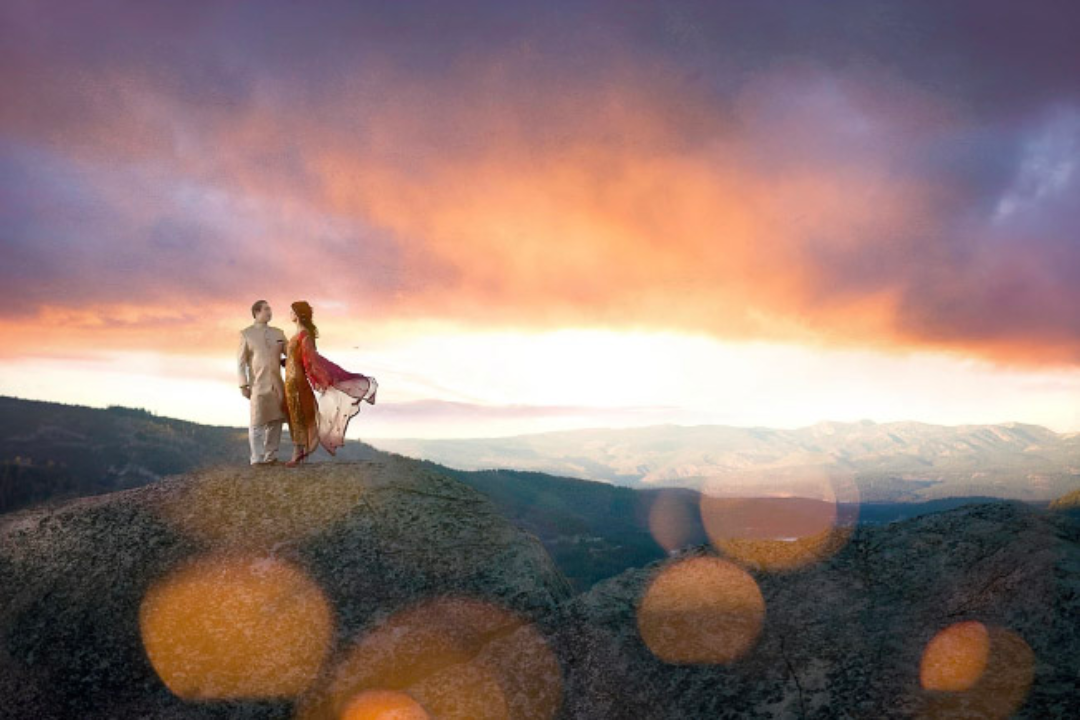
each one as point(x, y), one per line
point(340, 393)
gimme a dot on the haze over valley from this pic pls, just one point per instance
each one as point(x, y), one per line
point(888, 462)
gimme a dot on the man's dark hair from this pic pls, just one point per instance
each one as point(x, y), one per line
point(257, 307)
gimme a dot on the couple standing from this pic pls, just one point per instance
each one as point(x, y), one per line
point(263, 351)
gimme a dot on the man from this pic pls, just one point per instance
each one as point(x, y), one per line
point(259, 365)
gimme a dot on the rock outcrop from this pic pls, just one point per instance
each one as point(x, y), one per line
point(339, 590)
point(239, 592)
point(849, 637)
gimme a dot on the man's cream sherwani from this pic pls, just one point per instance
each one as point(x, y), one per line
point(259, 365)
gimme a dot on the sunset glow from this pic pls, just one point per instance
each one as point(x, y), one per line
point(544, 218)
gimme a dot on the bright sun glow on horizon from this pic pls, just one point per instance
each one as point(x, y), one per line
point(597, 218)
point(449, 382)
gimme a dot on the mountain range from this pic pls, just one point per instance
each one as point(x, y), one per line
point(888, 462)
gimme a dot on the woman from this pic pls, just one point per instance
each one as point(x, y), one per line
point(313, 422)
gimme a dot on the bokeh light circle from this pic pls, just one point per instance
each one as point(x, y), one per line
point(456, 657)
point(673, 518)
point(701, 610)
point(793, 518)
point(384, 705)
point(230, 627)
point(972, 670)
point(956, 657)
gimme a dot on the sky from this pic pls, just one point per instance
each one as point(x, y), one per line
point(529, 216)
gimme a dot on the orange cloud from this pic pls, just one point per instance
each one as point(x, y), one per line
point(506, 190)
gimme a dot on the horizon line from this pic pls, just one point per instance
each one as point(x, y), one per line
point(861, 421)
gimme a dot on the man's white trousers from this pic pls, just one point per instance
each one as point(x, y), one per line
point(264, 440)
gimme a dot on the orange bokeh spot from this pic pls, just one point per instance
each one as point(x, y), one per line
point(236, 627)
point(701, 610)
point(384, 705)
point(795, 520)
point(671, 519)
point(956, 657)
point(455, 657)
point(969, 670)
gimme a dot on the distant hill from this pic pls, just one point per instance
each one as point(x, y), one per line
point(51, 451)
point(593, 530)
point(891, 462)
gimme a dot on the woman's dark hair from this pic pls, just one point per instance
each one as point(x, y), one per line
point(303, 313)
point(257, 307)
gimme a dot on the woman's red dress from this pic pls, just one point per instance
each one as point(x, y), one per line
point(324, 420)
